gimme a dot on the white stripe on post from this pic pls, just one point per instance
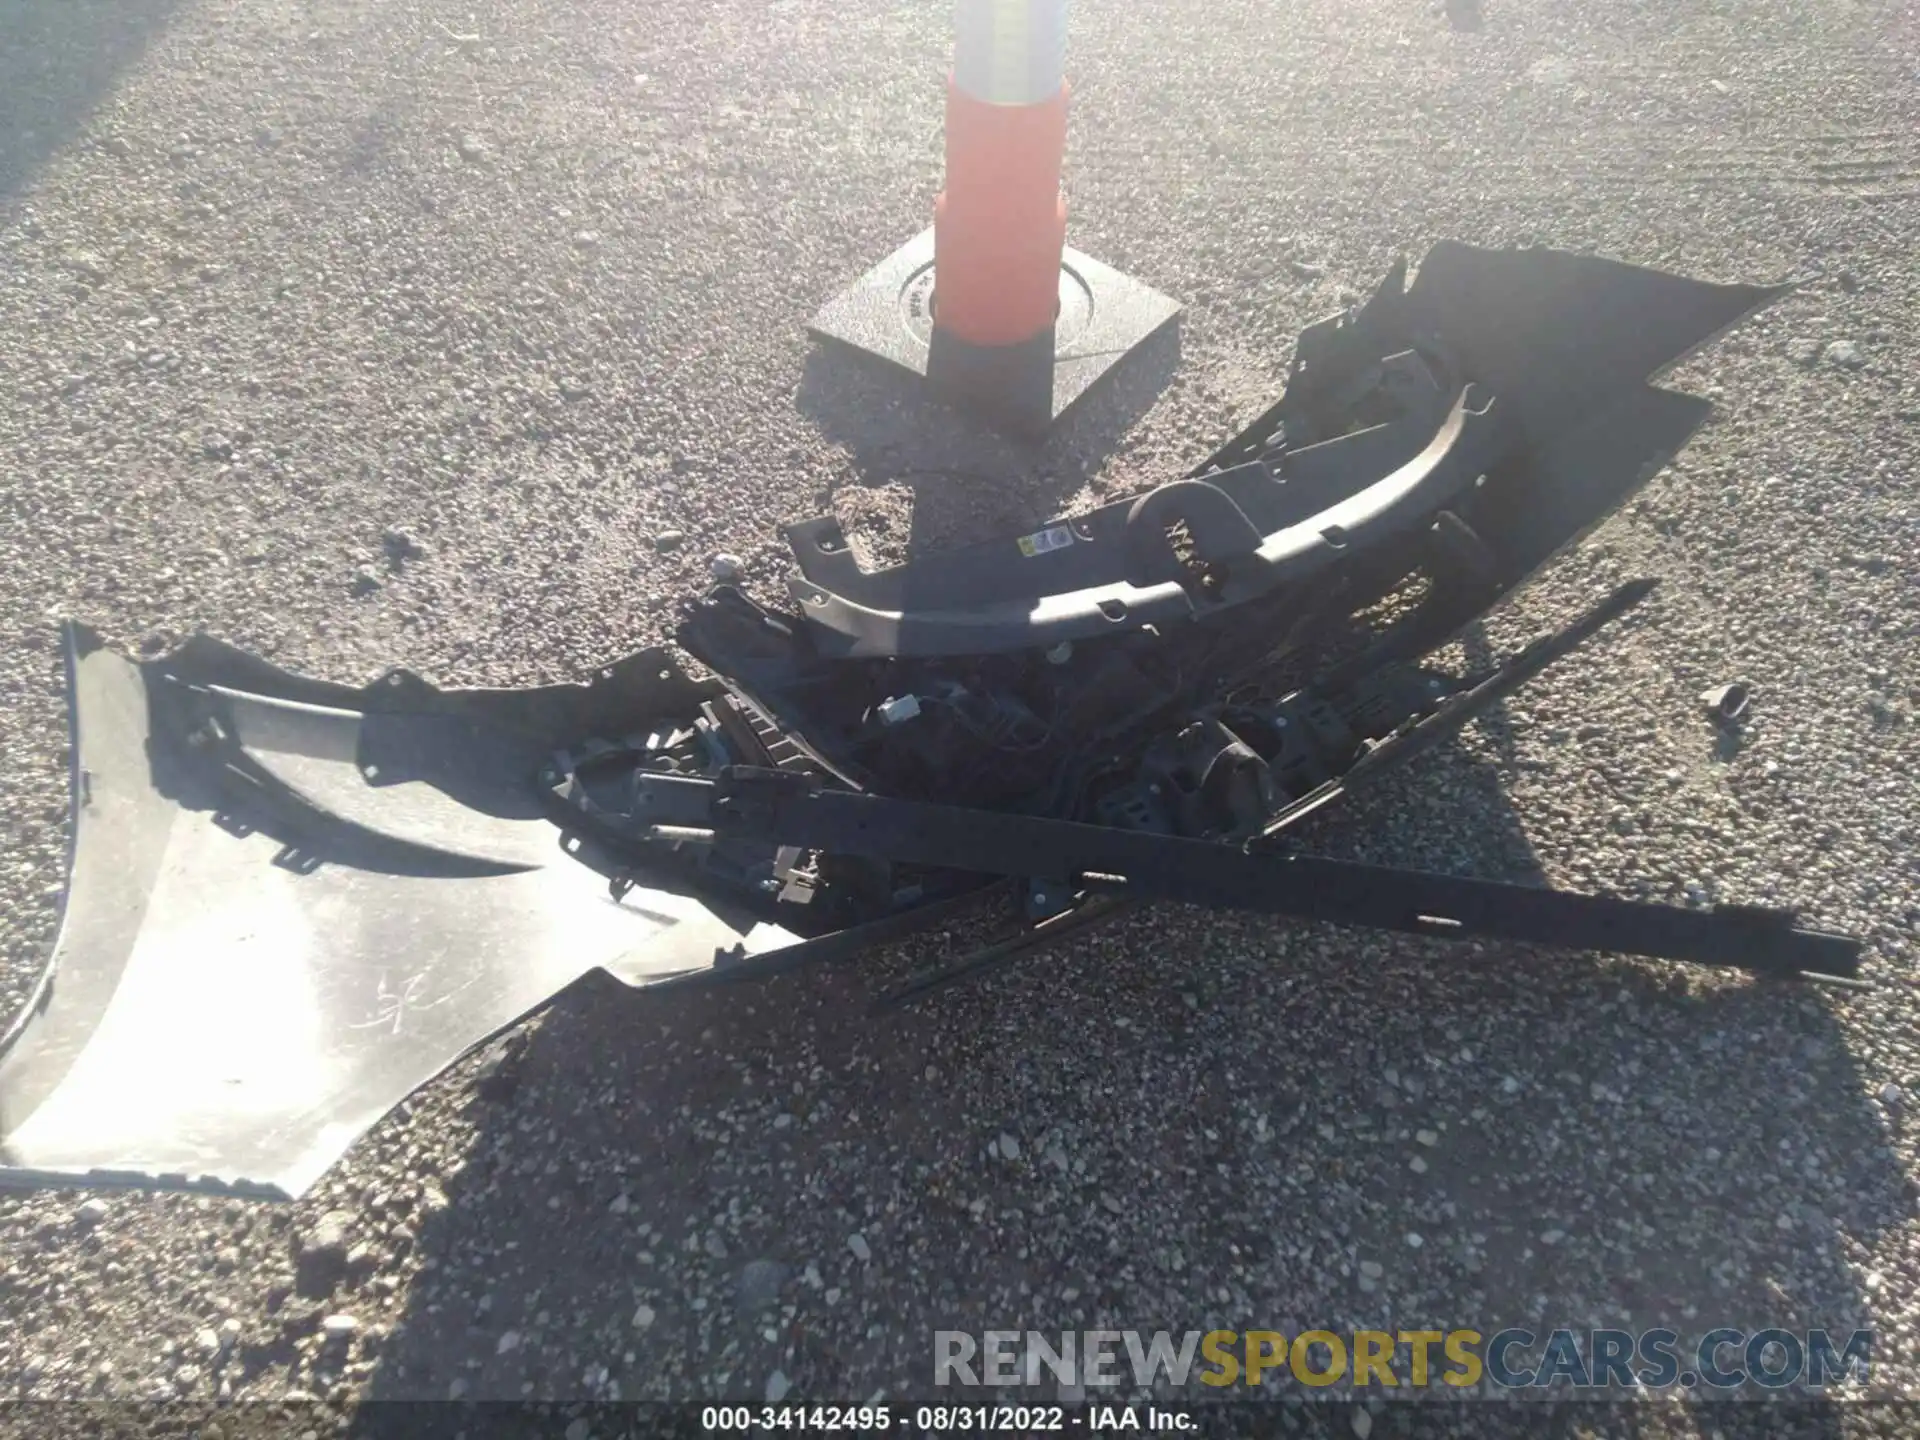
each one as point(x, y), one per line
point(1010, 52)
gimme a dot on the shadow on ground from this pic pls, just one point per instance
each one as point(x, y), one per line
point(664, 1190)
point(58, 60)
point(895, 433)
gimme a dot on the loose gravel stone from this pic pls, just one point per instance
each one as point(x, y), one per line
point(401, 545)
point(759, 1287)
point(321, 1255)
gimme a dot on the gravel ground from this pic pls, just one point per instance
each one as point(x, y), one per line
point(364, 333)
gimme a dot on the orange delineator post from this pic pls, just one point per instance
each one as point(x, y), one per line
point(1000, 225)
point(990, 306)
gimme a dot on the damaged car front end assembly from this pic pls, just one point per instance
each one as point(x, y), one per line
point(293, 902)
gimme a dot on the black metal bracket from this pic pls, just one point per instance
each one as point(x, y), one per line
point(798, 810)
point(1095, 872)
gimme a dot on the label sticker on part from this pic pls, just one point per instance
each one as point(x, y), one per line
point(1054, 537)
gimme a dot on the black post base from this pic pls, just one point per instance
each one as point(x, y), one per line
point(1023, 389)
